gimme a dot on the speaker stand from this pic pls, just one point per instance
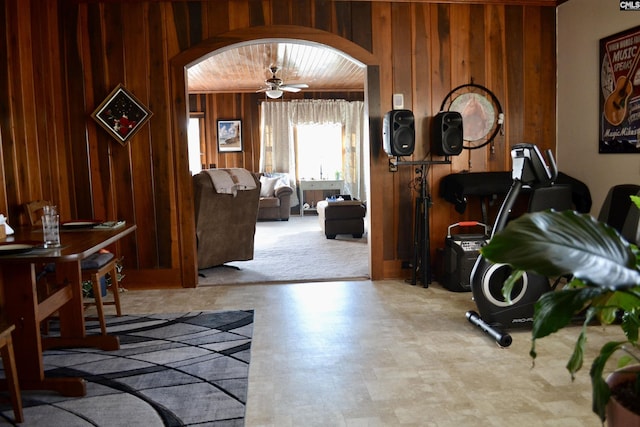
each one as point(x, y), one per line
point(421, 265)
point(421, 245)
point(394, 162)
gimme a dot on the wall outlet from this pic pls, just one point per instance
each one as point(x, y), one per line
point(398, 101)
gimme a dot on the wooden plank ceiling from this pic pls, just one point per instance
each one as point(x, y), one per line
point(245, 68)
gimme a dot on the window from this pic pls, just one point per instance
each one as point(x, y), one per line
point(319, 151)
point(193, 135)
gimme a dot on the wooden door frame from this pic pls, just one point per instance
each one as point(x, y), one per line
point(186, 236)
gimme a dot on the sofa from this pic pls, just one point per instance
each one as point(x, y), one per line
point(226, 211)
point(275, 196)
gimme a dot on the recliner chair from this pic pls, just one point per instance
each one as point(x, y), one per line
point(225, 222)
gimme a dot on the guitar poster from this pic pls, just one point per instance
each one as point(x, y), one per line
point(620, 92)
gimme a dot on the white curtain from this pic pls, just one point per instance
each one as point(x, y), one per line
point(277, 152)
point(277, 148)
point(353, 150)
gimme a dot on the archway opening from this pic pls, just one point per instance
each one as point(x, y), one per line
point(184, 199)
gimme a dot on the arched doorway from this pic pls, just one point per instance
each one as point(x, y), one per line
point(184, 199)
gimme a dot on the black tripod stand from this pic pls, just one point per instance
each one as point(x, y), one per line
point(421, 246)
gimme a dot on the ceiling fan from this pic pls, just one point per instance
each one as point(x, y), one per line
point(275, 87)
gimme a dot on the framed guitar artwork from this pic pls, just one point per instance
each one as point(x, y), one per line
point(620, 92)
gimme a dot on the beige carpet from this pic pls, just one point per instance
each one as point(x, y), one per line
point(294, 251)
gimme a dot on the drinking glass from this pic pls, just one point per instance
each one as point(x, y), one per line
point(51, 229)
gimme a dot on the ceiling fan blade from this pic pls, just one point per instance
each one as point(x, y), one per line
point(264, 89)
point(294, 87)
point(297, 85)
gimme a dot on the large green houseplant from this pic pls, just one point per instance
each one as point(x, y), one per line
point(603, 272)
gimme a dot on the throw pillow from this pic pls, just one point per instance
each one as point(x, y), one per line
point(282, 179)
point(267, 186)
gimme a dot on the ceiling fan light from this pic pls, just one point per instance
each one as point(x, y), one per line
point(274, 93)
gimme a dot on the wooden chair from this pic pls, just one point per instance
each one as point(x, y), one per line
point(11, 374)
point(95, 268)
point(33, 210)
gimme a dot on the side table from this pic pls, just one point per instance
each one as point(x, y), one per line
point(320, 184)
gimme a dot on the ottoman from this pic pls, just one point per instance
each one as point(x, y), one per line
point(341, 217)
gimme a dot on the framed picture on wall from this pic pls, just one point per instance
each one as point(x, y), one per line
point(229, 135)
point(620, 92)
point(121, 114)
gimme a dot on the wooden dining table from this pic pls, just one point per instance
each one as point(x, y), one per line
point(24, 308)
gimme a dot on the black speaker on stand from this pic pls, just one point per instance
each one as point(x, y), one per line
point(447, 135)
point(398, 133)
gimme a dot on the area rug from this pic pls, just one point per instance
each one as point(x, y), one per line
point(295, 251)
point(188, 369)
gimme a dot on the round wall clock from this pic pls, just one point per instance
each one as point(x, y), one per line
point(482, 115)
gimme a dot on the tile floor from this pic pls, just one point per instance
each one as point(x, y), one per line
point(386, 353)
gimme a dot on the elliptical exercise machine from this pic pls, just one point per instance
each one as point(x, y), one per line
point(529, 172)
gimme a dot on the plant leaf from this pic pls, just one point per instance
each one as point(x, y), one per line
point(600, 389)
point(624, 360)
point(627, 300)
point(630, 325)
point(555, 244)
point(577, 357)
point(508, 285)
point(601, 394)
point(554, 310)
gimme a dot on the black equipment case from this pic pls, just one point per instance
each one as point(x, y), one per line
point(460, 254)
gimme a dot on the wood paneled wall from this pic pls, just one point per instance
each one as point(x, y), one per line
point(63, 58)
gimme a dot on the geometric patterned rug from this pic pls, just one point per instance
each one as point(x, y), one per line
point(171, 370)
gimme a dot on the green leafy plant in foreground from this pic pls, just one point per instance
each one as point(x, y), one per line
point(603, 272)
